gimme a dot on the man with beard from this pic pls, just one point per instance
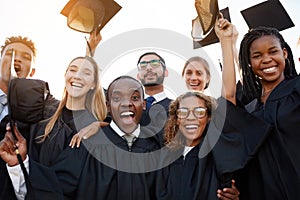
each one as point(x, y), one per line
point(152, 72)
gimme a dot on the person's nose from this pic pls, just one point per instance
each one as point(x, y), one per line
point(193, 76)
point(266, 58)
point(17, 57)
point(126, 102)
point(149, 67)
point(77, 75)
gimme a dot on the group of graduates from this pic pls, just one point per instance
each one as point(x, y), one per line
point(108, 145)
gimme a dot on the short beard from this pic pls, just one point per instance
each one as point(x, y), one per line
point(160, 80)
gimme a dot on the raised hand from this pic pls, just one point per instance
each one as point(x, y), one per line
point(9, 145)
point(94, 40)
point(225, 30)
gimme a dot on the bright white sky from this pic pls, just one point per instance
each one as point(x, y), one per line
point(57, 44)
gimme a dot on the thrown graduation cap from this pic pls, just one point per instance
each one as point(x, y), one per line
point(269, 14)
point(88, 15)
point(200, 40)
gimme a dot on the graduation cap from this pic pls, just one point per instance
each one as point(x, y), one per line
point(269, 13)
point(88, 15)
point(210, 37)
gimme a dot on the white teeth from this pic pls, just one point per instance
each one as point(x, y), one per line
point(76, 84)
point(271, 69)
point(191, 126)
point(127, 114)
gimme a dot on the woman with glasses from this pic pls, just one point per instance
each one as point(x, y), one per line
point(191, 176)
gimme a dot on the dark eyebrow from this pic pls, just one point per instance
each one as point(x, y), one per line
point(116, 91)
point(274, 47)
point(73, 66)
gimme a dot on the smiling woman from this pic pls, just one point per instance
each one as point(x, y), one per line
point(83, 103)
point(189, 176)
point(196, 73)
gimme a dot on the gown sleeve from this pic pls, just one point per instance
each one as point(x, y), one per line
point(61, 180)
point(239, 140)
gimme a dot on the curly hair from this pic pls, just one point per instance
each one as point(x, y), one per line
point(24, 40)
point(173, 137)
point(251, 84)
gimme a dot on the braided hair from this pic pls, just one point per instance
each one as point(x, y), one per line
point(251, 84)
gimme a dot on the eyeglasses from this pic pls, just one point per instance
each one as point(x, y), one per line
point(183, 113)
point(153, 63)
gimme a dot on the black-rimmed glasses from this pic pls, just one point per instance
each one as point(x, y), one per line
point(198, 112)
point(153, 63)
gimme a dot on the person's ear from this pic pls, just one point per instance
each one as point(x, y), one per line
point(166, 73)
point(32, 72)
point(93, 87)
point(108, 107)
point(285, 53)
point(138, 76)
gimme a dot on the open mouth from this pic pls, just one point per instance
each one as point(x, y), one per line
point(127, 114)
point(127, 117)
point(77, 85)
point(270, 70)
point(191, 127)
point(17, 68)
point(194, 85)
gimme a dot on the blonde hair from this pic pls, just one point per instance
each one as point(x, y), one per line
point(95, 101)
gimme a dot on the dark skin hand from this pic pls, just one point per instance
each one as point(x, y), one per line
point(229, 193)
point(9, 145)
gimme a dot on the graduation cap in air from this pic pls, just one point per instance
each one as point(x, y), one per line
point(88, 15)
point(203, 33)
point(269, 13)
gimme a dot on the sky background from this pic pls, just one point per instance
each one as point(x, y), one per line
point(57, 44)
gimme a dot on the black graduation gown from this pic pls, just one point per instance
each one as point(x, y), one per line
point(50, 160)
point(190, 178)
point(112, 173)
point(274, 171)
point(6, 188)
point(156, 117)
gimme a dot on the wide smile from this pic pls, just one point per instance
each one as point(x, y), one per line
point(194, 84)
point(269, 70)
point(76, 85)
point(127, 117)
point(127, 114)
point(191, 128)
